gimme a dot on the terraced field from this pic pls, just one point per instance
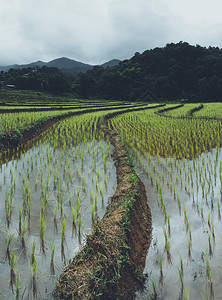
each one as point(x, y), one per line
point(89, 169)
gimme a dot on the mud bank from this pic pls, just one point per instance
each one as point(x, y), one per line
point(60, 108)
point(189, 113)
point(162, 111)
point(111, 263)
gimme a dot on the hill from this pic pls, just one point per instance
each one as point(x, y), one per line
point(170, 73)
point(65, 64)
point(111, 63)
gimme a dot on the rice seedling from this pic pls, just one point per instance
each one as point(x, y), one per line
point(189, 246)
point(95, 199)
point(34, 274)
point(207, 297)
point(33, 251)
point(102, 193)
point(79, 228)
point(186, 296)
point(74, 215)
point(212, 230)
point(18, 283)
point(91, 194)
point(20, 219)
point(178, 200)
point(181, 278)
point(52, 251)
point(186, 221)
point(218, 208)
point(208, 269)
point(160, 264)
point(8, 243)
point(93, 211)
point(208, 220)
point(189, 231)
point(42, 228)
point(161, 196)
point(202, 215)
point(181, 264)
point(23, 231)
point(154, 288)
point(165, 235)
point(63, 231)
point(13, 261)
point(164, 211)
point(209, 242)
point(55, 211)
point(168, 246)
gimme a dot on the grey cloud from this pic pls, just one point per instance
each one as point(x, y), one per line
point(141, 25)
point(96, 31)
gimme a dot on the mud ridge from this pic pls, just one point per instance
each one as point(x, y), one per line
point(189, 113)
point(61, 108)
point(192, 111)
point(162, 111)
point(111, 264)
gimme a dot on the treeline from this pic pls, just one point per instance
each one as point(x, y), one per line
point(173, 72)
point(45, 79)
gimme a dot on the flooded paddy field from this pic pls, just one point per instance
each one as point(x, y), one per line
point(51, 196)
point(184, 260)
point(180, 163)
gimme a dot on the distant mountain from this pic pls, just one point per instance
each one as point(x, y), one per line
point(65, 64)
point(16, 66)
point(111, 63)
point(69, 65)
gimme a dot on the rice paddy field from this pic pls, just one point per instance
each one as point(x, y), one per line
point(13, 121)
point(180, 163)
point(52, 194)
point(56, 188)
point(213, 110)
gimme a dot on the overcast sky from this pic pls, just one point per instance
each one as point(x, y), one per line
point(95, 31)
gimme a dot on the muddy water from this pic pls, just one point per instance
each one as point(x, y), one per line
point(191, 195)
point(50, 174)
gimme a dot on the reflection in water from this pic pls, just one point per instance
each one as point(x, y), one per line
point(49, 196)
point(185, 200)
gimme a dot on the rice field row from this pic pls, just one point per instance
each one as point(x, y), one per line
point(15, 121)
point(213, 110)
point(9, 122)
point(182, 111)
point(168, 137)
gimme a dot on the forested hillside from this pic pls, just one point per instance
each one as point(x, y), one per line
point(170, 73)
point(45, 79)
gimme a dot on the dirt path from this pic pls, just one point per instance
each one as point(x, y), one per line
point(110, 265)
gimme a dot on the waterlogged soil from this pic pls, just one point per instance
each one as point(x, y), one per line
point(191, 220)
point(60, 182)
